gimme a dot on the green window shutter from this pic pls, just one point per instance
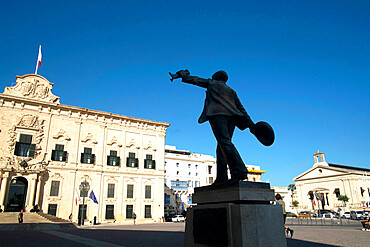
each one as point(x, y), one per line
point(53, 155)
point(64, 156)
point(16, 150)
point(32, 150)
point(92, 159)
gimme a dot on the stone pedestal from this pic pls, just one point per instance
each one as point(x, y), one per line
point(235, 216)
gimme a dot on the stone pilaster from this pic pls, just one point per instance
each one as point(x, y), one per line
point(4, 188)
point(38, 190)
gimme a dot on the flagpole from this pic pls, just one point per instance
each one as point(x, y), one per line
point(39, 59)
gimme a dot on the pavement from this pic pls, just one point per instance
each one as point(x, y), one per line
point(169, 234)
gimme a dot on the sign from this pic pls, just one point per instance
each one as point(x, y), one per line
point(363, 207)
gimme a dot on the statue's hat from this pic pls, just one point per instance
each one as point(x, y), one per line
point(264, 133)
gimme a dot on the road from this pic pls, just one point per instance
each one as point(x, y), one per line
point(170, 235)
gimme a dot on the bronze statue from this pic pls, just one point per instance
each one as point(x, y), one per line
point(224, 111)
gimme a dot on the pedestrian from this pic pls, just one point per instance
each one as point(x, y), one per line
point(279, 201)
point(70, 217)
point(134, 217)
point(20, 217)
point(1, 210)
point(366, 224)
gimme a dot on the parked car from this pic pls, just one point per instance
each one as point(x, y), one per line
point(291, 214)
point(324, 213)
point(346, 215)
point(356, 215)
point(305, 214)
point(178, 218)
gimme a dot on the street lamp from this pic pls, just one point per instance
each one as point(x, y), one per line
point(84, 189)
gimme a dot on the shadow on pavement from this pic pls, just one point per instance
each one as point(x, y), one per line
point(301, 243)
point(133, 238)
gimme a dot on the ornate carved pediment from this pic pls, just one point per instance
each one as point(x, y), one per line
point(132, 143)
point(89, 137)
point(149, 145)
point(61, 134)
point(34, 87)
point(114, 141)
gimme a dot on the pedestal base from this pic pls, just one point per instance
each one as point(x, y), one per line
point(248, 220)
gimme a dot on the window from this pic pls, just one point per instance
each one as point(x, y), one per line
point(196, 174)
point(209, 169)
point(52, 209)
point(148, 211)
point(110, 191)
point(148, 191)
point(113, 159)
point(210, 180)
point(177, 173)
point(129, 211)
point(24, 147)
point(109, 212)
point(130, 191)
point(58, 154)
point(189, 173)
point(149, 163)
point(177, 164)
point(132, 161)
point(87, 157)
point(196, 166)
point(189, 165)
point(196, 183)
point(54, 189)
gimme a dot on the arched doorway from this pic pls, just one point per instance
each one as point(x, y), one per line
point(17, 194)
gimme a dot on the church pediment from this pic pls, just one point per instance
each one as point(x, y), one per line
point(320, 172)
point(33, 86)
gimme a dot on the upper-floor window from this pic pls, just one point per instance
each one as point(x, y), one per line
point(149, 163)
point(113, 159)
point(209, 169)
point(148, 191)
point(196, 166)
point(24, 146)
point(87, 156)
point(110, 191)
point(177, 164)
point(189, 165)
point(58, 154)
point(131, 161)
point(54, 189)
point(130, 191)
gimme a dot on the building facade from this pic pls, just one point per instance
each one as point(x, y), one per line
point(186, 170)
point(48, 149)
point(320, 186)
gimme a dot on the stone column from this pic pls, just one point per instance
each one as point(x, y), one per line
point(31, 192)
point(4, 188)
point(38, 191)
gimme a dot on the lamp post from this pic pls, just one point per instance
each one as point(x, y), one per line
point(84, 188)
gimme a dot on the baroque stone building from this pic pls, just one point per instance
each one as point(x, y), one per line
point(48, 149)
point(320, 186)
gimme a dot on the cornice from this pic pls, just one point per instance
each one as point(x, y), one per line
point(80, 110)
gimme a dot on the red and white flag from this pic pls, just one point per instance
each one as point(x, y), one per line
point(39, 60)
point(76, 196)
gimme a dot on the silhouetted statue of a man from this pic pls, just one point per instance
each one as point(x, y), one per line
point(223, 110)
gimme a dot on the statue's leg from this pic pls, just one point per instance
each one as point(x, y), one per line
point(221, 166)
point(223, 129)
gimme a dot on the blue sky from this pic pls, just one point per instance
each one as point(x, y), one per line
point(301, 66)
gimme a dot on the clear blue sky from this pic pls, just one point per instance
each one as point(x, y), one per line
point(302, 67)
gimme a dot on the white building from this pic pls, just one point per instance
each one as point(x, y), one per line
point(320, 186)
point(287, 196)
point(48, 149)
point(186, 170)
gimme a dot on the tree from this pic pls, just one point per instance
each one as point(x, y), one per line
point(291, 187)
point(343, 198)
point(295, 203)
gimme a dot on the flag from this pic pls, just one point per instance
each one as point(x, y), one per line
point(39, 60)
point(314, 202)
point(76, 196)
point(92, 197)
